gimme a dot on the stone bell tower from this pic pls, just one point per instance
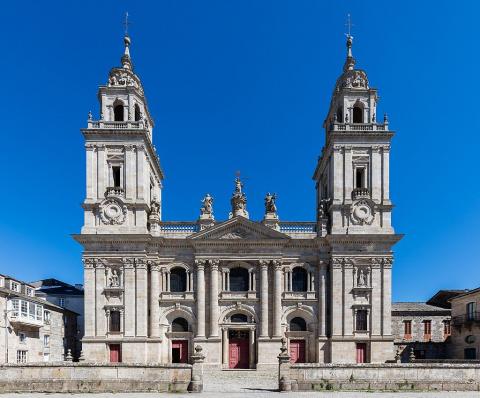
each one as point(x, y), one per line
point(124, 177)
point(352, 174)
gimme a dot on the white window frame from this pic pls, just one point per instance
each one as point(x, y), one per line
point(46, 340)
point(22, 356)
point(15, 286)
point(61, 302)
point(22, 337)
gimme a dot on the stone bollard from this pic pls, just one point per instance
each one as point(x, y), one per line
point(81, 358)
point(411, 357)
point(284, 384)
point(196, 382)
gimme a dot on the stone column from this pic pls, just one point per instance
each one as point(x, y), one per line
point(89, 290)
point(154, 296)
point(102, 176)
point(225, 346)
point(213, 298)
point(251, 348)
point(100, 301)
point(141, 293)
point(130, 171)
point(322, 297)
point(387, 296)
point(200, 297)
point(277, 299)
point(264, 299)
point(129, 294)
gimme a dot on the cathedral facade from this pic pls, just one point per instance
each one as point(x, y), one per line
point(155, 290)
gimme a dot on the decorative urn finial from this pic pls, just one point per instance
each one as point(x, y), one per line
point(238, 200)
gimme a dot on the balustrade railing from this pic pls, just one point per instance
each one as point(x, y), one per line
point(358, 127)
point(469, 318)
point(358, 193)
point(298, 227)
point(114, 191)
point(115, 125)
point(179, 227)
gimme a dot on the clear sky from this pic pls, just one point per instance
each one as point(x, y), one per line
point(243, 85)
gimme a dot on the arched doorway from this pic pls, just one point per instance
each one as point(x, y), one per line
point(179, 352)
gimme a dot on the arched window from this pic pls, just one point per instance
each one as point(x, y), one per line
point(137, 112)
point(179, 325)
point(298, 324)
point(357, 114)
point(299, 280)
point(178, 280)
point(241, 318)
point(118, 112)
point(340, 114)
point(239, 279)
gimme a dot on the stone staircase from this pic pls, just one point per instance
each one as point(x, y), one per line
point(239, 380)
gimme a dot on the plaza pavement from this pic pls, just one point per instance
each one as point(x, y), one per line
point(259, 394)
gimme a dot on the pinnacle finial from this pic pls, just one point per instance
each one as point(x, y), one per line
point(350, 61)
point(126, 60)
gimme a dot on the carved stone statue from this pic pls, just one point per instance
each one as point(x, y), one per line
point(238, 201)
point(206, 211)
point(270, 206)
point(154, 208)
point(362, 278)
point(323, 208)
point(114, 279)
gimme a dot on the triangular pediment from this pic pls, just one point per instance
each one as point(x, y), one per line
point(239, 228)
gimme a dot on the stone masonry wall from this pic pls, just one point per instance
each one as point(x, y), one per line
point(446, 377)
point(89, 377)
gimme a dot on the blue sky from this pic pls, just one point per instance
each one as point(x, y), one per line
point(243, 85)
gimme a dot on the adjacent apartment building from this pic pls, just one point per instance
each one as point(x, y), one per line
point(34, 330)
point(466, 325)
point(66, 296)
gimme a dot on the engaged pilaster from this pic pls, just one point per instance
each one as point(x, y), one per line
point(200, 297)
point(277, 293)
point(154, 296)
point(213, 297)
point(264, 299)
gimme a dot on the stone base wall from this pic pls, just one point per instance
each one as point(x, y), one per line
point(90, 377)
point(392, 377)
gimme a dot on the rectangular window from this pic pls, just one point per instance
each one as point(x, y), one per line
point(427, 330)
point(21, 356)
point(360, 177)
point(31, 311)
point(407, 330)
point(116, 176)
point(15, 308)
point(22, 337)
point(361, 321)
point(447, 329)
point(15, 286)
point(470, 311)
point(2, 282)
point(29, 291)
point(114, 321)
point(24, 309)
point(470, 353)
point(46, 340)
point(46, 317)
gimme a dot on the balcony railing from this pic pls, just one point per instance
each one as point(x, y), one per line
point(358, 127)
point(179, 227)
point(123, 125)
point(114, 191)
point(358, 193)
point(466, 319)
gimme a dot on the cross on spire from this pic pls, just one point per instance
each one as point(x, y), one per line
point(126, 23)
point(349, 25)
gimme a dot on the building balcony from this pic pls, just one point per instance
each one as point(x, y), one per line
point(358, 127)
point(466, 319)
point(115, 125)
point(298, 295)
point(114, 191)
point(359, 193)
point(22, 320)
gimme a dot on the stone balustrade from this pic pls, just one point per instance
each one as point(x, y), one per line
point(114, 191)
point(359, 193)
point(358, 127)
point(115, 125)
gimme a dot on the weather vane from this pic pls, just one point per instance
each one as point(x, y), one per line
point(126, 23)
point(349, 25)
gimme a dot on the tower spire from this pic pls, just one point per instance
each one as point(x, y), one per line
point(126, 60)
point(350, 61)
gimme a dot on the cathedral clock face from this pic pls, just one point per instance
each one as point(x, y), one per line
point(362, 212)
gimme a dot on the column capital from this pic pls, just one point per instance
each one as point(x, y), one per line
point(277, 264)
point(140, 263)
point(200, 264)
point(264, 263)
point(214, 264)
point(128, 262)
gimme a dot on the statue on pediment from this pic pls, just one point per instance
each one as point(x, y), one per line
point(206, 211)
point(270, 206)
point(238, 201)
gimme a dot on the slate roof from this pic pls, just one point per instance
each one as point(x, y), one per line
point(55, 287)
point(419, 307)
point(442, 297)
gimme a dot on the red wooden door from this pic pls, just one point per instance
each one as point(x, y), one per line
point(115, 353)
point(361, 352)
point(239, 355)
point(179, 351)
point(297, 351)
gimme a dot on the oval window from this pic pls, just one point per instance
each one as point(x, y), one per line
point(470, 339)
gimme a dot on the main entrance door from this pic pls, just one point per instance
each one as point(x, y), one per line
point(115, 353)
point(297, 351)
point(361, 352)
point(238, 349)
point(179, 351)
